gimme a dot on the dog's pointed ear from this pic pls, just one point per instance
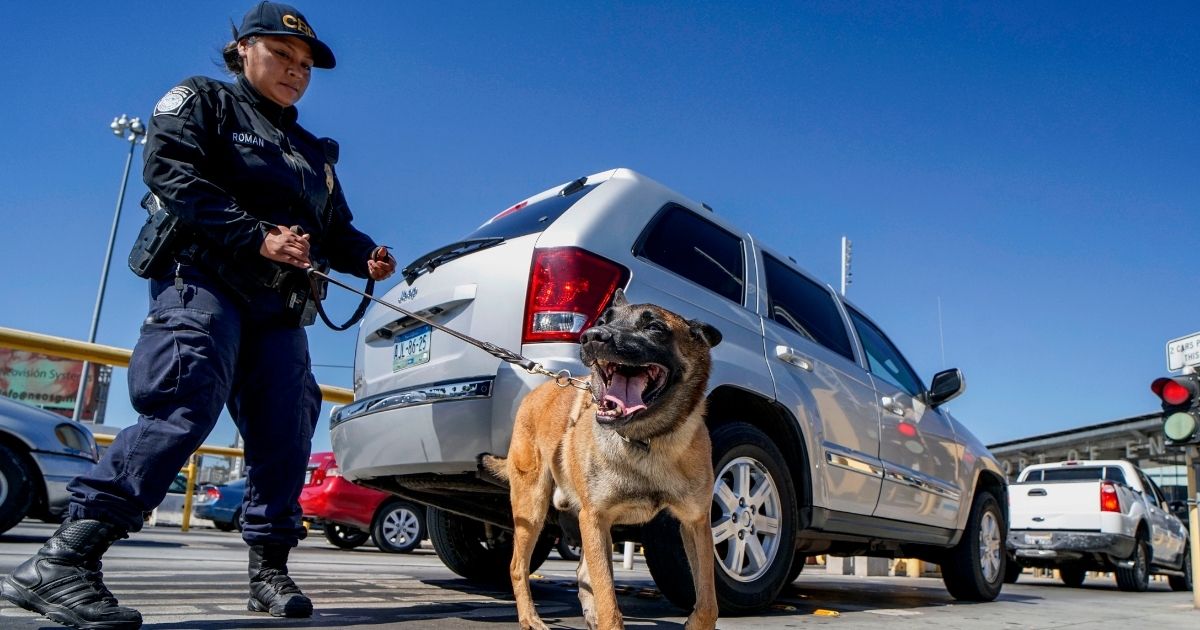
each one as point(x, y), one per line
point(619, 298)
point(708, 333)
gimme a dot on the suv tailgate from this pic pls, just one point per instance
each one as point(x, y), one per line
point(1055, 505)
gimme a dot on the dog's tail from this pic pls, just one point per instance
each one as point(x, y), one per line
point(497, 466)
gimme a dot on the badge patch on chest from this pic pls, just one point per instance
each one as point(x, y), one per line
point(173, 101)
point(329, 177)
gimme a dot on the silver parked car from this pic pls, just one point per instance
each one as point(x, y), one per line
point(825, 441)
point(40, 452)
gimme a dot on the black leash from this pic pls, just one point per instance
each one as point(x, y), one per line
point(317, 297)
point(563, 378)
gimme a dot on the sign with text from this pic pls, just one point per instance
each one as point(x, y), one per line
point(51, 382)
point(1183, 352)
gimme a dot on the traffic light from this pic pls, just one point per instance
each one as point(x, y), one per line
point(1181, 408)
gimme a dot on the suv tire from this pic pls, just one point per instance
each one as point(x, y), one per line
point(345, 536)
point(1136, 579)
point(462, 545)
point(741, 587)
point(16, 489)
point(974, 569)
point(399, 527)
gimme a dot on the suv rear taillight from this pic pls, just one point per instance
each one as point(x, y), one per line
point(213, 493)
point(1109, 502)
point(568, 288)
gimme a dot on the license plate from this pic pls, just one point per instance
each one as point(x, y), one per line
point(1037, 539)
point(412, 348)
point(308, 476)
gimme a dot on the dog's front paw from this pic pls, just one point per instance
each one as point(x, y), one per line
point(696, 621)
point(535, 623)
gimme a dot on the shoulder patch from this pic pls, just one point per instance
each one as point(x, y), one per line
point(174, 100)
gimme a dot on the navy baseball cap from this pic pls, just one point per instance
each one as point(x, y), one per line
point(273, 18)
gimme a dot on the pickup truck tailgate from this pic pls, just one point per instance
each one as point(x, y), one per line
point(1058, 505)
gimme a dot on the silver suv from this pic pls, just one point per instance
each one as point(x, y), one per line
point(825, 441)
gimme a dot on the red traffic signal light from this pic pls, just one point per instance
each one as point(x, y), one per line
point(1181, 408)
point(1175, 391)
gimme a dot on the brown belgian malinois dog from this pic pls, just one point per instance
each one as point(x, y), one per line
point(635, 444)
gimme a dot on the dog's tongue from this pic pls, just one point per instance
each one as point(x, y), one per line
point(626, 392)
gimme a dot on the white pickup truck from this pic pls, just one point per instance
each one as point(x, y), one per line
point(1096, 516)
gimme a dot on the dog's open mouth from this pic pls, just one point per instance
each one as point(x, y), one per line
point(624, 390)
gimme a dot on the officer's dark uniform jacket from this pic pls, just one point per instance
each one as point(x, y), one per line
point(231, 164)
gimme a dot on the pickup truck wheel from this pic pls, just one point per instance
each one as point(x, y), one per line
point(753, 525)
point(399, 527)
point(463, 546)
point(1183, 582)
point(1072, 575)
point(16, 489)
point(566, 550)
point(344, 536)
point(1136, 579)
point(974, 569)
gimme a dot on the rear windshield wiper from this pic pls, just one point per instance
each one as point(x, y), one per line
point(443, 255)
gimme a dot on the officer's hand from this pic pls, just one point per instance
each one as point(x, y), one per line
point(285, 246)
point(381, 265)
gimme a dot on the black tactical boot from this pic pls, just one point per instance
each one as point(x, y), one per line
point(64, 583)
point(271, 589)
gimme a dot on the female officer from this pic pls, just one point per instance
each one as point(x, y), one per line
point(232, 164)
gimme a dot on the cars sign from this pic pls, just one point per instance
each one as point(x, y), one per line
point(1183, 352)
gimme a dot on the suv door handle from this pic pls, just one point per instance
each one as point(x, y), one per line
point(892, 405)
point(789, 355)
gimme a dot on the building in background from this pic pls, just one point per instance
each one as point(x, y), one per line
point(1138, 439)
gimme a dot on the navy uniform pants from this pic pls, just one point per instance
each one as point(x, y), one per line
point(201, 348)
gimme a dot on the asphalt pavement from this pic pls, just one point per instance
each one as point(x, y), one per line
point(197, 580)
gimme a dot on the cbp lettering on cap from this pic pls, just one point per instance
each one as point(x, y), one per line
point(273, 18)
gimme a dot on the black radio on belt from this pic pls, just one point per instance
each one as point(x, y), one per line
point(154, 250)
point(299, 302)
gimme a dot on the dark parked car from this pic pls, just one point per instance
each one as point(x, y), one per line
point(39, 453)
point(225, 511)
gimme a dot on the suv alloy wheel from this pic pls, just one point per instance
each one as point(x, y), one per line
point(754, 520)
point(974, 569)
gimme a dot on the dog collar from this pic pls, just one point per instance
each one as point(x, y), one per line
point(642, 445)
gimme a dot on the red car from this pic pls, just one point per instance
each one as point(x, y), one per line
point(350, 513)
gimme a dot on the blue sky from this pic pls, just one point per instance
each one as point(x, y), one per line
point(1035, 166)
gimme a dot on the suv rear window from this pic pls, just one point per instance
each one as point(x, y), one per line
point(682, 242)
point(521, 220)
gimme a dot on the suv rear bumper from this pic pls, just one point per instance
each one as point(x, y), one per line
point(1064, 546)
point(446, 435)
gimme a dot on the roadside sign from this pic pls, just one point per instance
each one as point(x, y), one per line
point(1183, 352)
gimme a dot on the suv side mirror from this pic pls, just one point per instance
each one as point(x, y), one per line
point(946, 385)
point(1179, 509)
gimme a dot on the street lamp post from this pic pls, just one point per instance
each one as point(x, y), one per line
point(133, 131)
